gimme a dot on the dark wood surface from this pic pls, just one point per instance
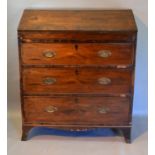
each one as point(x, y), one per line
point(77, 20)
point(77, 54)
point(73, 80)
point(76, 37)
point(77, 110)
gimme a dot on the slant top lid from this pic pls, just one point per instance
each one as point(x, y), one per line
point(77, 20)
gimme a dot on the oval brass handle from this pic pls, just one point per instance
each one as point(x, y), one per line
point(49, 54)
point(51, 109)
point(104, 81)
point(103, 110)
point(49, 80)
point(104, 53)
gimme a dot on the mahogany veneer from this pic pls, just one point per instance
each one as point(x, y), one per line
point(77, 69)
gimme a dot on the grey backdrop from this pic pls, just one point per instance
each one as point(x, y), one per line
point(15, 9)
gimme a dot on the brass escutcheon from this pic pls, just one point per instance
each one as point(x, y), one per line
point(104, 81)
point(103, 110)
point(51, 109)
point(104, 53)
point(49, 80)
point(49, 54)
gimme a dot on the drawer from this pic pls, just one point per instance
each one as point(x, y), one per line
point(77, 54)
point(76, 80)
point(77, 110)
point(81, 36)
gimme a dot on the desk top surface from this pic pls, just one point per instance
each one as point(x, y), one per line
point(77, 20)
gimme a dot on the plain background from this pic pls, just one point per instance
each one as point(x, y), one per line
point(139, 7)
point(61, 145)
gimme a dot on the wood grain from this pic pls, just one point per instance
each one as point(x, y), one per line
point(77, 54)
point(77, 91)
point(76, 37)
point(75, 80)
point(77, 20)
point(77, 110)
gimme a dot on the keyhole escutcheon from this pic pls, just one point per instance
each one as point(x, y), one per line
point(76, 47)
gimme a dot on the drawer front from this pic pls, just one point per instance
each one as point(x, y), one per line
point(77, 36)
point(76, 80)
point(77, 110)
point(77, 54)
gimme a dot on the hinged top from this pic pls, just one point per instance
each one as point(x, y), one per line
point(77, 20)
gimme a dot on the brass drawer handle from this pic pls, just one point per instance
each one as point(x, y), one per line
point(103, 110)
point(49, 80)
point(49, 54)
point(104, 53)
point(104, 81)
point(51, 109)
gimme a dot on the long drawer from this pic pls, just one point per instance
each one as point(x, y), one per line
point(77, 54)
point(76, 80)
point(77, 110)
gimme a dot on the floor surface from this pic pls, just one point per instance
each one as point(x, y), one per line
point(95, 142)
